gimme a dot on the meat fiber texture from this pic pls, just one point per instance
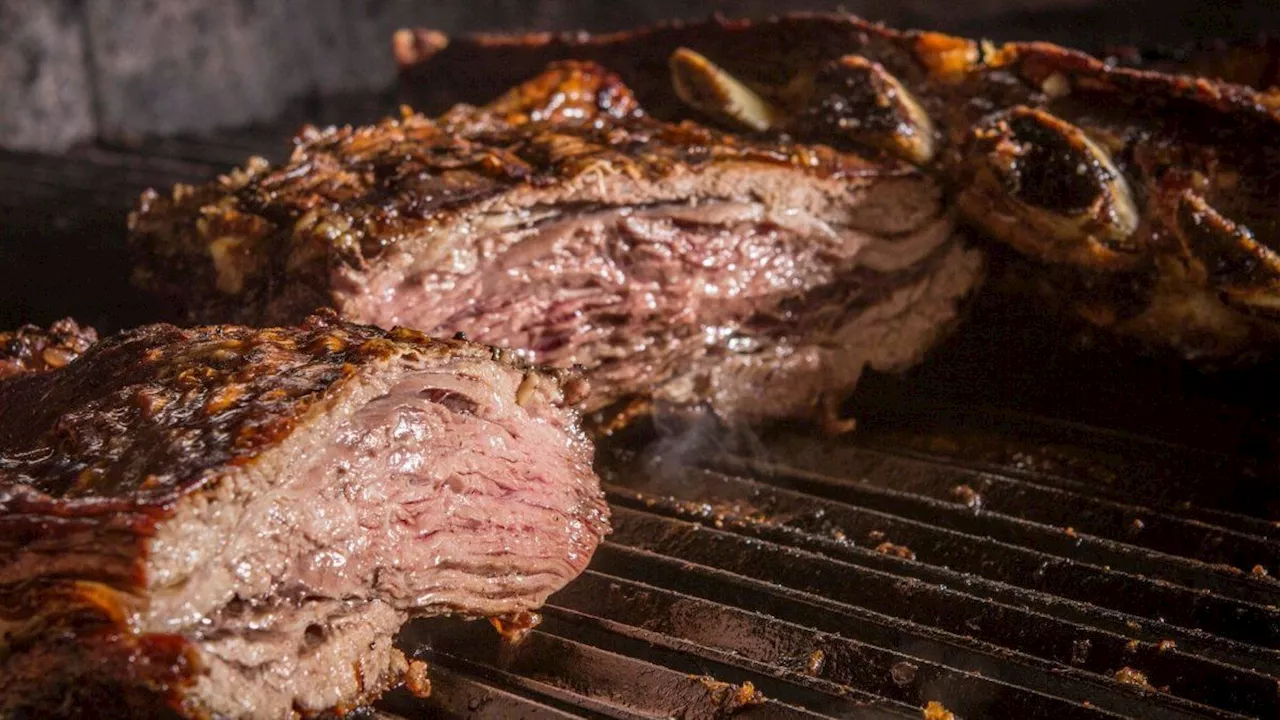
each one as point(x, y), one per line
point(234, 522)
point(670, 261)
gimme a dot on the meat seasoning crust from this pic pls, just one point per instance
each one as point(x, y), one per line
point(98, 456)
point(1148, 200)
point(261, 243)
point(192, 399)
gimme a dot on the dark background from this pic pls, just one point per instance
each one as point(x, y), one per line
point(74, 69)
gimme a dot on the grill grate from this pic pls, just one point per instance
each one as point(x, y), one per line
point(1018, 529)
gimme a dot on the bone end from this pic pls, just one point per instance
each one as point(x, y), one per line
point(705, 86)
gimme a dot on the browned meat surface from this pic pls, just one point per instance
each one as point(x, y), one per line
point(1148, 200)
point(235, 522)
point(669, 260)
point(35, 349)
point(1256, 64)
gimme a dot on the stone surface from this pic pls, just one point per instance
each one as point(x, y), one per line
point(45, 103)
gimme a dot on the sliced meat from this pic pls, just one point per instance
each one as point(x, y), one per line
point(669, 260)
point(35, 349)
point(234, 523)
point(1145, 202)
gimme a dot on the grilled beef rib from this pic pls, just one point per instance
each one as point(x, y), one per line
point(1146, 201)
point(235, 522)
point(669, 260)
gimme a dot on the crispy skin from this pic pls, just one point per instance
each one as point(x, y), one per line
point(35, 349)
point(1126, 178)
point(260, 244)
point(95, 456)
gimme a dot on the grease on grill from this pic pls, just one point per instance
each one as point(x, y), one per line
point(730, 698)
point(618, 417)
point(1011, 452)
point(1129, 676)
point(416, 680)
point(902, 551)
point(514, 628)
point(722, 513)
point(935, 710)
point(967, 496)
point(817, 660)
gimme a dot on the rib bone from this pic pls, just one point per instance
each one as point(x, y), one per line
point(859, 100)
point(705, 86)
point(1042, 185)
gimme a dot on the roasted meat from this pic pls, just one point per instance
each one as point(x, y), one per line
point(1148, 201)
point(1256, 64)
point(670, 261)
point(35, 349)
point(233, 522)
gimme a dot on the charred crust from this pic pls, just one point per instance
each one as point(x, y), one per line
point(858, 101)
point(1244, 270)
point(34, 349)
point(194, 399)
point(113, 672)
point(567, 90)
point(259, 244)
point(1044, 187)
point(1255, 64)
point(1050, 167)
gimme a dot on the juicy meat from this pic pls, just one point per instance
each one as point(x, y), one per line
point(235, 522)
point(669, 260)
point(1147, 201)
point(35, 349)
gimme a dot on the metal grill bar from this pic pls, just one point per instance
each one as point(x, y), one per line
point(917, 608)
point(559, 665)
point(802, 655)
point(1067, 562)
point(959, 561)
point(459, 695)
